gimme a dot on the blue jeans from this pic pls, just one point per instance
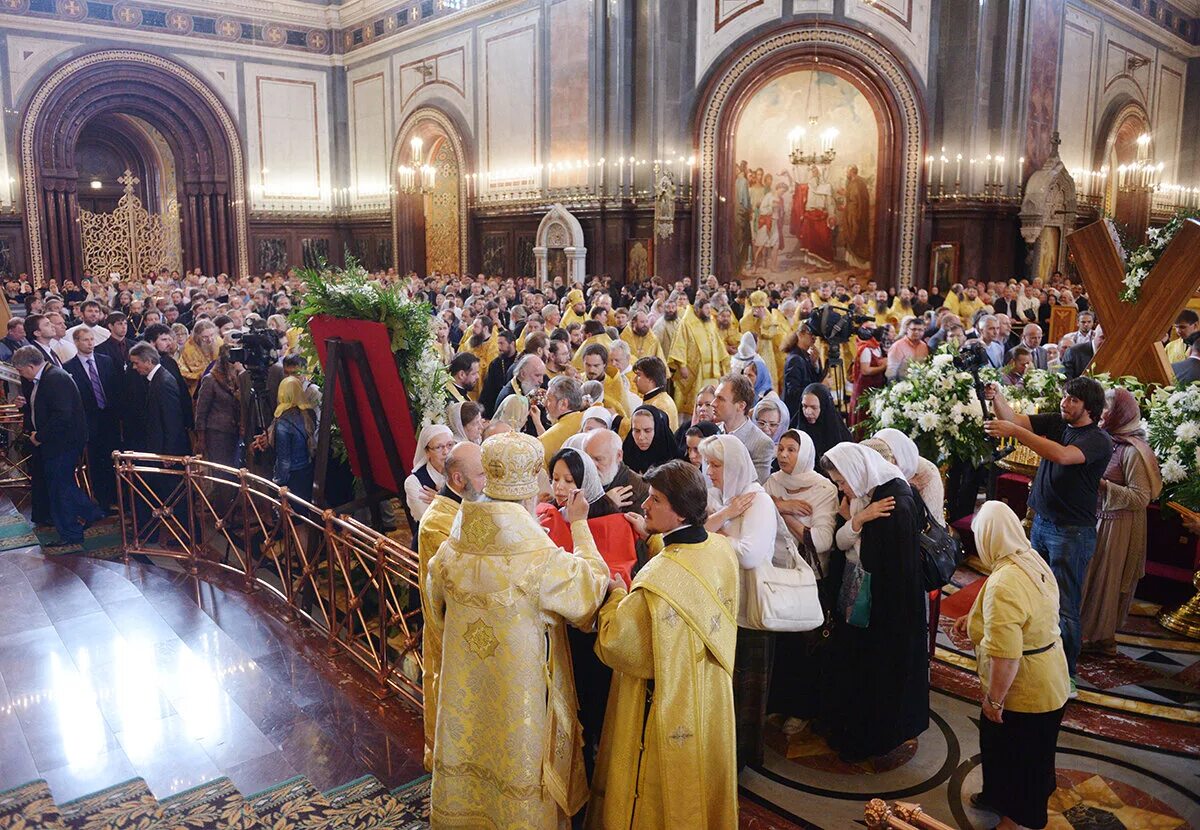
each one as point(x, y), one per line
point(1068, 549)
point(68, 504)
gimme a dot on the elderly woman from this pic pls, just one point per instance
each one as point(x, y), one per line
point(867, 719)
point(741, 510)
point(771, 416)
point(921, 473)
point(428, 471)
point(1131, 481)
point(1022, 669)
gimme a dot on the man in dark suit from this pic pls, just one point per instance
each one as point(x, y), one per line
point(58, 434)
point(160, 336)
point(1188, 369)
point(116, 347)
point(165, 433)
point(1077, 358)
point(1031, 338)
point(40, 331)
point(99, 386)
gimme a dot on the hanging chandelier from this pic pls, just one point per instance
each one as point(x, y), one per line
point(417, 177)
point(813, 144)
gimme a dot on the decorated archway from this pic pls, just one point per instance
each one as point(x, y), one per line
point(559, 248)
point(116, 85)
point(1126, 123)
point(429, 229)
point(889, 178)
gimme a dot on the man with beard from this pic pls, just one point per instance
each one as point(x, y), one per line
point(594, 332)
point(529, 375)
point(575, 335)
point(464, 482)
point(667, 325)
point(558, 358)
point(697, 357)
point(731, 335)
point(464, 374)
point(577, 308)
point(498, 370)
point(483, 344)
point(595, 367)
point(626, 488)
point(642, 342)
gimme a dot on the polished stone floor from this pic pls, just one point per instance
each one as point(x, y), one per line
point(109, 672)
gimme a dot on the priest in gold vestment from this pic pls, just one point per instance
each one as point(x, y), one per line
point(667, 752)
point(464, 480)
point(698, 356)
point(508, 748)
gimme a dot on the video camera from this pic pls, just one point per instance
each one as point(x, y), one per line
point(971, 358)
point(255, 347)
point(836, 325)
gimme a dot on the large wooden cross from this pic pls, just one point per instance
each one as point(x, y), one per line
point(1132, 331)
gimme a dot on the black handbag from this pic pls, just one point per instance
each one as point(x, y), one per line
point(941, 552)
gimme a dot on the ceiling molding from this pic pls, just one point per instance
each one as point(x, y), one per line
point(1160, 35)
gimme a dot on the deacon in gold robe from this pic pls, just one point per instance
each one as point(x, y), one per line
point(508, 746)
point(667, 752)
point(698, 355)
point(650, 378)
point(576, 308)
point(642, 342)
point(665, 327)
point(484, 344)
point(727, 327)
point(765, 324)
point(464, 481)
point(594, 332)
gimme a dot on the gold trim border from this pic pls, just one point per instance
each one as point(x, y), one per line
point(894, 75)
point(448, 127)
point(33, 221)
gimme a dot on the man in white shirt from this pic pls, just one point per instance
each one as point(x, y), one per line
point(92, 315)
point(62, 345)
point(735, 397)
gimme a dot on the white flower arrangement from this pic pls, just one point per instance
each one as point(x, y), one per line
point(936, 405)
point(1142, 261)
point(1174, 431)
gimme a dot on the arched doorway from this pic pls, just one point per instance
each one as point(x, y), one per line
point(162, 118)
point(559, 249)
point(1130, 206)
point(430, 228)
point(876, 92)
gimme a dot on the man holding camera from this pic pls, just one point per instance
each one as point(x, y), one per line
point(1074, 452)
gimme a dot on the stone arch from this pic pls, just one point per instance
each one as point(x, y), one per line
point(177, 103)
point(1124, 118)
point(406, 218)
point(876, 71)
point(559, 229)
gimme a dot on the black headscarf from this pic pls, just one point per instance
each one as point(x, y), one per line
point(707, 429)
point(830, 429)
point(662, 448)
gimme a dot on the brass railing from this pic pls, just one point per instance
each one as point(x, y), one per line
point(353, 584)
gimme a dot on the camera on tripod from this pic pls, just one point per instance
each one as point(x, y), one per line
point(971, 358)
point(836, 325)
point(255, 347)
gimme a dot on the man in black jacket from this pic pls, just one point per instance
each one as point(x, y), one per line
point(160, 336)
point(499, 371)
point(99, 385)
point(1079, 356)
point(58, 432)
point(165, 433)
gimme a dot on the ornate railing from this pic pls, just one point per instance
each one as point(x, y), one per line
point(351, 583)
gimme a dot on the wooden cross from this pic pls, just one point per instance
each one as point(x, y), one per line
point(1132, 331)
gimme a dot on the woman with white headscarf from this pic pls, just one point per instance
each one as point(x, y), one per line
point(465, 419)
point(596, 417)
point(741, 510)
point(921, 473)
point(771, 416)
point(1022, 669)
point(878, 696)
point(428, 471)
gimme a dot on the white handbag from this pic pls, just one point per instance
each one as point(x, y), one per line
point(783, 598)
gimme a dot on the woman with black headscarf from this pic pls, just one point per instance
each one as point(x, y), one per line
point(650, 441)
point(819, 418)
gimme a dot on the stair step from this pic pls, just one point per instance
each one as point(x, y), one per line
point(365, 804)
point(28, 806)
point(294, 805)
point(216, 805)
point(129, 804)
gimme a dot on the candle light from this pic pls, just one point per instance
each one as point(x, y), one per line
point(942, 174)
point(691, 164)
point(957, 171)
point(929, 172)
point(600, 174)
point(999, 172)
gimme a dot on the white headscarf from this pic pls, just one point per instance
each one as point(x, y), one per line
point(428, 433)
point(578, 441)
point(862, 467)
point(592, 489)
point(785, 417)
point(600, 414)
point(740, 476)
point(514, 411)
point(454, 416)
point(1000, 539)
point(904, 450)
point(747, 348)
point(804, 473)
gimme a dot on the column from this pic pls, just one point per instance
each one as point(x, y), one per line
point(539, 258)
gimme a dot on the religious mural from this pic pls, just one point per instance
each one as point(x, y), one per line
point(806, 219)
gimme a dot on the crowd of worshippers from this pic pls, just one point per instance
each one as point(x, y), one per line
point(701, 421)
point(153, 365)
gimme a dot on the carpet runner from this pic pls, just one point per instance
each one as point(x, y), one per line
point(295, 804)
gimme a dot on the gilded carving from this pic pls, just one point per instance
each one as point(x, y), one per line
point(441, 217)
point(130, 240)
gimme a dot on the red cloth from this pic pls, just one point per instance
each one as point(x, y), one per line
point(613, 535)
point(815, 235)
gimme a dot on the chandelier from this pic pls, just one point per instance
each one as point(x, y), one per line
point(1142, 175)
point(812, 144)
point(417, 177)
